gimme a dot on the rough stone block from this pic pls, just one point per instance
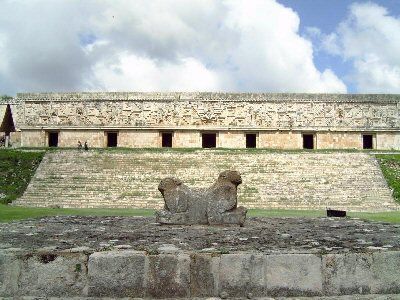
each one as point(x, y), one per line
point(204, 275)
point(241, 275)
point(117, 273)
point(9, 272)
point(294, 275)
point(168, 276)
point(346, 274)
point(50, 274)
point(214, 205)
point(386, 273)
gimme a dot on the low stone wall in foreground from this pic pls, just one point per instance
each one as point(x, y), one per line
point(129, 273)
point(68, 256)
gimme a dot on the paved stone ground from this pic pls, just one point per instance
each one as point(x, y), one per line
point(268, 235)
point(348, 297)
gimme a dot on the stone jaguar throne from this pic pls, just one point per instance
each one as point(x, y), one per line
point(214, 205)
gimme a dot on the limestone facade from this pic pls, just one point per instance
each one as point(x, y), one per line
point(281, 121)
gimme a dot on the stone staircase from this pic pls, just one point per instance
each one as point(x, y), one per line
point(273, 180)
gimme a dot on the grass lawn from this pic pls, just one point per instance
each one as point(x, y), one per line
point(11, 213)
point(391, 217)
point(16, 170)
point(390, 165)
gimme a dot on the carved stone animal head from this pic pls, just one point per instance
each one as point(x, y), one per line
point(230, 176)
point(168, 184)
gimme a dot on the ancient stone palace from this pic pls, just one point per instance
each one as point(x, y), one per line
point(208, 120)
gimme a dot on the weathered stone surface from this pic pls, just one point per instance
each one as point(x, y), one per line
point(168, 276)
point(362, 273)
point(173, 276)
point(9, 272)
point(226, 110)
point(337, 120)
point(53, 275)
point(267, 235)
point(346, 297)
point(294, 275)
point(117, 274)
point(215, 205)
point(386, 273)
point(204, 275)
point(270, 180)
point(348, 273)
point(241, 274)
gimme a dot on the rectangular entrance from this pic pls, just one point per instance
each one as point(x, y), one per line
point(251, 140)
point(368, 141)
point(308, 141)
point(53, 139)
point(166, 139)
point(112, 139)
point(209, 140)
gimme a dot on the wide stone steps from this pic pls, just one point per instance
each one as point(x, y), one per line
point(351, 181)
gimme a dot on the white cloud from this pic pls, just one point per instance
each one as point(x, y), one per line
point(158, 45)
point(370, 39)
point(131, 72)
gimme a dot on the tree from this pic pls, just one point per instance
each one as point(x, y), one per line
point(4, 98)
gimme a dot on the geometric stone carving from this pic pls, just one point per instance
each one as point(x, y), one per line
point(214, 205)
point(264, 111)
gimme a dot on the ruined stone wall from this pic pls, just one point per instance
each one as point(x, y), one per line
point(185, 110)
point(335, 140)
point(280, 140)
point(388, 140)
point(70, 138)
point(186, 139)
point(232, 139)
point(139, 139)
point(33, 138)
point(15, 139)
point(338, 121)
point(17, 116)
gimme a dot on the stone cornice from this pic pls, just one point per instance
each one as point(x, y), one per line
point(205, 96)
point(211, 128)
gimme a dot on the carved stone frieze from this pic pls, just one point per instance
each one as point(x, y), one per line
point(264, 111)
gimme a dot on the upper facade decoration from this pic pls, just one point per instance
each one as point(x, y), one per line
point(212, 110)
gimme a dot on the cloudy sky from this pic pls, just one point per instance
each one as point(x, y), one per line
point(334, 46)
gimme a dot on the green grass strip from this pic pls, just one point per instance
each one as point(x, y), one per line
point(390, 166)
point(12, 213)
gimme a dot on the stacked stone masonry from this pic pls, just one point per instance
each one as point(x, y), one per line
point(184, 275)
point(351, 181)
point(278, 120)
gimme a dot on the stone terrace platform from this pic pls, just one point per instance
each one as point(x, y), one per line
point(137, 257)
point(271, 180)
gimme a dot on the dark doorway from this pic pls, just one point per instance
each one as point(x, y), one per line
point(53, 139)
point(166, 139)
point(308, 141)
point(251, 140)
point(368, 141)
point(7, 124)
point(209, 140)
point(112, 139)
